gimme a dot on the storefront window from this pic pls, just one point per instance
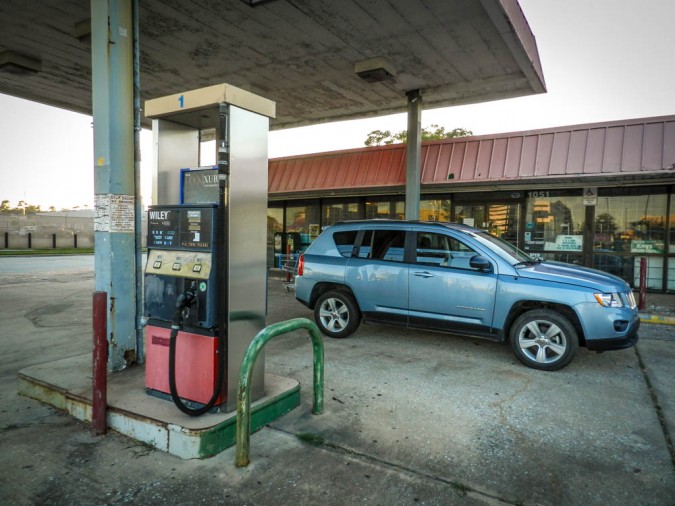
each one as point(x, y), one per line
point(500, 220)
point(390, 209)
point(303, 219)
point(671, 248)
point(275, 225)
point(472, 215)
point(628, 227)
point(335, 211)
point(554, 223)
point(631, 224)
point(435, 209)
point(654, 272)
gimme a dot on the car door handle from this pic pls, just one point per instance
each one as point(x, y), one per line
point(423, 274)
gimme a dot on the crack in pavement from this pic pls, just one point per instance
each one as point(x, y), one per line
point(657, 407)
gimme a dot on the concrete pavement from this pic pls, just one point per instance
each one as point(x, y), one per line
point(410, 418)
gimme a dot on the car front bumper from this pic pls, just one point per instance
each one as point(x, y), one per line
point(616, 343)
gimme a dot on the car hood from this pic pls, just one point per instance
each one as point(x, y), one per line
point(560, 272)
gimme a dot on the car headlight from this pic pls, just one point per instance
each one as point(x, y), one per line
point(631, 299)
point(608, 299)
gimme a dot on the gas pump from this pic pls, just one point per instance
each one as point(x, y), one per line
point(181, 297)
point(206, 277)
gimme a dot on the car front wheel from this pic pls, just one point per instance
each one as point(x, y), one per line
point(337, 314)
point(544, 339)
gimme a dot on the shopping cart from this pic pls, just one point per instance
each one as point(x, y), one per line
point(289, 265)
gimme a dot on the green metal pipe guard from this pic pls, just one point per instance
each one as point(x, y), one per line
point(246, 371)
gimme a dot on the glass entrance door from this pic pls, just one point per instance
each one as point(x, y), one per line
point(500, 220)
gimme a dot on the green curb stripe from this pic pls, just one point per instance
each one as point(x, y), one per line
point(224, 435)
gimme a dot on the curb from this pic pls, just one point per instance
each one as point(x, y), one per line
point(130, 411)
point(655, 318)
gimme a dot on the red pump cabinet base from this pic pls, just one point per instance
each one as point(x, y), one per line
point(196, 365)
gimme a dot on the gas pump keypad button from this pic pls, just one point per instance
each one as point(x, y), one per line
point(157, 264)
point(197, 268)
point(176, 266)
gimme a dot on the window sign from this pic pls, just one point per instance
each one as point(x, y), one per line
point(566, 243)
point(200, 186)
point(646, 247)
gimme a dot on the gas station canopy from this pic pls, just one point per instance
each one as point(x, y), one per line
point(319, 60)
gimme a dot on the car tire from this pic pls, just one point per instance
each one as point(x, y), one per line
point(544, 339)
point(337, 314)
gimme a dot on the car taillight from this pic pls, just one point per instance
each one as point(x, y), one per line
point(301, 265)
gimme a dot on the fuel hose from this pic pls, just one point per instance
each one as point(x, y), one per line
point(185, 301)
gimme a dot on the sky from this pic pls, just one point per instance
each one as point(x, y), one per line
point(603, 60)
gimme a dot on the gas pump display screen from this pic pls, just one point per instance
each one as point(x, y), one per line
point(181, 227)
point(195, 228)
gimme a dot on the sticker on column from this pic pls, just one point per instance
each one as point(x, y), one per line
point(114, 213)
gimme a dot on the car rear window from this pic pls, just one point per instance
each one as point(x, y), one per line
point(383, 245)
point(345, 242)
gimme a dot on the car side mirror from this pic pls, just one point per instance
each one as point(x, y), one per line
point(481, 263)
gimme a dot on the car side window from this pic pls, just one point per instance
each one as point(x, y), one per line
point(383, 245)
point(344, 241)
point(443, 250)
point(433, 249)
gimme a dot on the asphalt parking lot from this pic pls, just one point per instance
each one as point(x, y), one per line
point(410, 418)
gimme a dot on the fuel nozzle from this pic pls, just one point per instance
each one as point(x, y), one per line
point(187, 298)
point(184, 301)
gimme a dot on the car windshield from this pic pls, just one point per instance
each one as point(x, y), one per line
point(504, 249)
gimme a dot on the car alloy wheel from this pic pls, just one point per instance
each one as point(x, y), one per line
point(544, 339)
point(336, 314)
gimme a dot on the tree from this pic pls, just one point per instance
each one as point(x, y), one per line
point(433, 133)
point(605, 223)
point(649, 227)
point(22, 207)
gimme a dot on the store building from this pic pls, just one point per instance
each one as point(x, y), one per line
point(599, 194)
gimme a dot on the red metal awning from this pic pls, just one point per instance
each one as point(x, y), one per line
point(637, 146)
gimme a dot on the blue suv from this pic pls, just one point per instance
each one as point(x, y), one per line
point(462, 280)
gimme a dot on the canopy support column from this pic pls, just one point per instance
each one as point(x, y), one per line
point(413, 152)
point(113, 111)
